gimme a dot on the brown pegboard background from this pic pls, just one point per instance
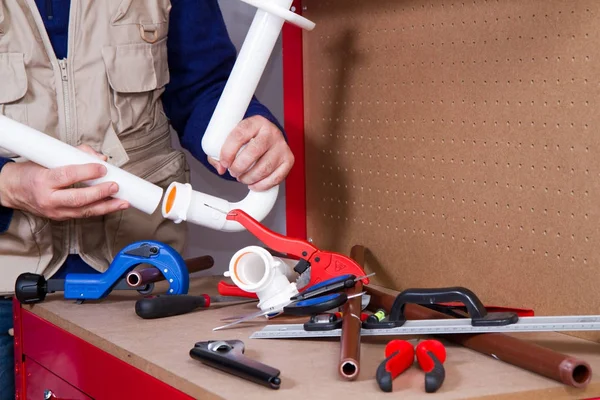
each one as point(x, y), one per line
point(459, 142)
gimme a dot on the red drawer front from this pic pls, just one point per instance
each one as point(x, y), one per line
point(91, 370)
point(39, 381)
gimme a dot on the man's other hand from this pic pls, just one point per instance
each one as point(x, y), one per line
point(264, 162)
point(45, 192)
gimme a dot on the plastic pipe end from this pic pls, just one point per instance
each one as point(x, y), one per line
point(176, 202)
point(250, 268)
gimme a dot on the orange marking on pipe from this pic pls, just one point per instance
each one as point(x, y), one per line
point(171, 198)
point(236, 264)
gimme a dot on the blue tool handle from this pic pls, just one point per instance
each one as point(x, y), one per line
point(97, 286)
point(333, 284)
point(316, 305)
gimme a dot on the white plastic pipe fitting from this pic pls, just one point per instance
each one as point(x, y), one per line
point(49, 152)
point(181, 203)
point(254, 270)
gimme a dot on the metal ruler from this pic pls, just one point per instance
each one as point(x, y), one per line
point(443, 327)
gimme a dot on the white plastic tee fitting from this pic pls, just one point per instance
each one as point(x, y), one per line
point(254, 270)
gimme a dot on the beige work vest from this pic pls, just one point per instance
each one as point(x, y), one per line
point(108, 95)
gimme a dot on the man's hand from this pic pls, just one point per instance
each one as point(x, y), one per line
point(265, 160)
point(45, 192)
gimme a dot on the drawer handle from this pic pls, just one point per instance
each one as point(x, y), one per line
point(49, 395)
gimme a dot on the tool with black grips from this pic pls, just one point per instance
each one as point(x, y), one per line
point(315, 305)
point(332, 285)
point(33, 288)
point(228, 356)
point(400, 355)
point(478, 320)
point(321, 265)
point(160, 306)
point(477, 312)
point(431, 355)
point(322, 322)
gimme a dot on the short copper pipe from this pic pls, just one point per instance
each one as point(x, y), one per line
point(349, 365)
point(563, 368)
point(143, 276)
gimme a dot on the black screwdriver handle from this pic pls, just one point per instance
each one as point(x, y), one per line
point(169, 305)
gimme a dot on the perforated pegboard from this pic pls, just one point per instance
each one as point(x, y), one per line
point(459, 142)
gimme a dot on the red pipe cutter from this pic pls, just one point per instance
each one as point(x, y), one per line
point(323, 264)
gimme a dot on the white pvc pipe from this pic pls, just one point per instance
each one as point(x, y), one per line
point(49, 152)
point(182, 203)
point(230, 110)
point(254, 270)
point(244, 78)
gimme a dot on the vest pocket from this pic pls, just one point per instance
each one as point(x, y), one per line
point(133, 12)
point(13, 88)
point(137, 74)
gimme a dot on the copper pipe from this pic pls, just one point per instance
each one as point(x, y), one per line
point(143, 276)
point(349, 365)
point(534, 358)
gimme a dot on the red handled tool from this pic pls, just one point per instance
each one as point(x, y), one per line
point(431, 355)
point(169, 305)
point(400, 355)
point(323, 264)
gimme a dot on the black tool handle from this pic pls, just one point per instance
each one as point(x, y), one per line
point(31, 288)
point(434, 378)
point(477, 312)
point(169, 305)
point(229, 356)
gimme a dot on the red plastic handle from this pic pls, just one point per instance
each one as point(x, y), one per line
point(228, 289)
point(434, 346)
point(402, 360)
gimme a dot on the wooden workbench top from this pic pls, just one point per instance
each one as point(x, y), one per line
point(308, 368)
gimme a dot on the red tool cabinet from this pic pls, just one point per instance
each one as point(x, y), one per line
point(51, 360)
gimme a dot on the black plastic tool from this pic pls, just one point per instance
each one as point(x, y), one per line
point(476, 310)
point(323, 322)
point(171, 305)
point(228, 356)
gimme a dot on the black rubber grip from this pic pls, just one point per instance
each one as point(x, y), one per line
point(435, 377)
point(168, 305)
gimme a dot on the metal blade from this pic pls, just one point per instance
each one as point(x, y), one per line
point(232, 299)
point(250, 316)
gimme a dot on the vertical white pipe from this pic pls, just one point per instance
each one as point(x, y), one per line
point(230, 110)
point(244, 78)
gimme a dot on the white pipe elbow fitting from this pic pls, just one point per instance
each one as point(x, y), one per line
point(254, 270)
point(181, 202)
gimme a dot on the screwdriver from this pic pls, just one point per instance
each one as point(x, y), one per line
point(170, 305)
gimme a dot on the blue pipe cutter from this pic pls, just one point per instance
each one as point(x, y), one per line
point(32, 288)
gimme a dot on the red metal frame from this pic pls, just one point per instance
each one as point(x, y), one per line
point(18, 342)
point(79, 363)
point(293, 100)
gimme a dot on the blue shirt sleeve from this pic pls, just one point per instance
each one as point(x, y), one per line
point(5, 213)
point(201, 57)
